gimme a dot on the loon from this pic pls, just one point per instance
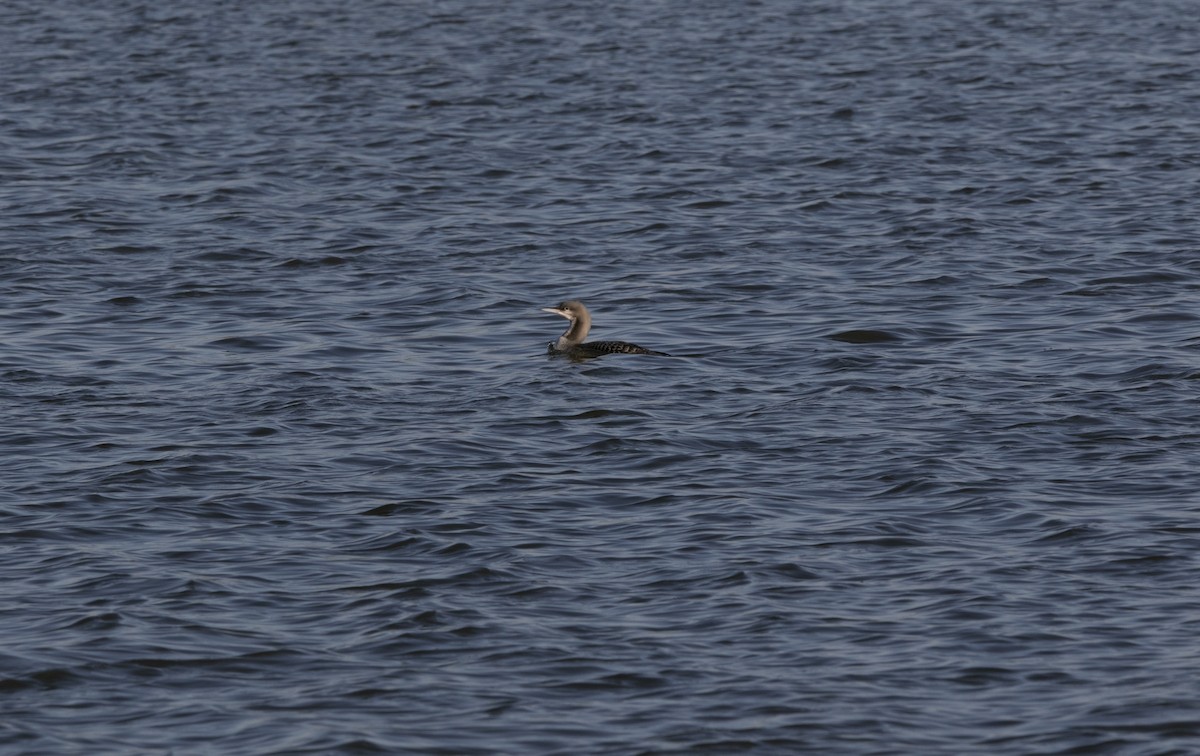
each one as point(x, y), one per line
point(571, 342)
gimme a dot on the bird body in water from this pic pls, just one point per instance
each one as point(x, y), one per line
point(572, 343)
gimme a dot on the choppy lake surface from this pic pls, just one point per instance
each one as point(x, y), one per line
point(287, 469)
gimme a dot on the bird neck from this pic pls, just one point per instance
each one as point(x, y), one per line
point(576, 332)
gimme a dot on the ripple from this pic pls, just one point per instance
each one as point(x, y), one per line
point(285, 438)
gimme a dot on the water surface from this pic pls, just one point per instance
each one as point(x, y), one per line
point(289, 471)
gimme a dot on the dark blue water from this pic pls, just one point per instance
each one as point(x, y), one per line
point(286, 468)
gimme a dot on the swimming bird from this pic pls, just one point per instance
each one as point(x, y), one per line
point(571, 342)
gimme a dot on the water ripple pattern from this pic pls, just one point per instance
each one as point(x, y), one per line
point(287, 468)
